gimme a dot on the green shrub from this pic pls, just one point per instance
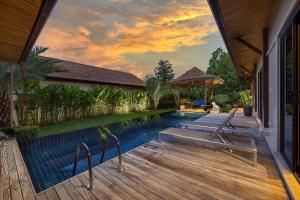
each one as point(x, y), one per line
point(24, 133)
point(226, 108)
point(222, 99)
point(167, 100)
point(38, 105)
point(7, 131)
point(183, 101)
point(234, 97)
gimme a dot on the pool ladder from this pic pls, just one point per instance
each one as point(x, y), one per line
point(120, 167)
point(89, 157)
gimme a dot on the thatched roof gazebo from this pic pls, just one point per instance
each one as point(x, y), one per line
point(195, 77)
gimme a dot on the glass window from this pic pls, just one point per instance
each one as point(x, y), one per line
point(288, 95)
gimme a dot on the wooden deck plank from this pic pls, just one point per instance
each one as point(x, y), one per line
point(105, 189)
point(25, 183)
point(161, 180)
point(51, 194)
point(130, 182)
point(160, 190)
point(190, 185)
point(222, 169)
point(62, 193)
point(114, 187)
point(138, 181)
point(85, 193)
point(95, 191)
point(41, 196)
point(6, 165)
point(72, 190)
point(229, 182)
point(115, 180)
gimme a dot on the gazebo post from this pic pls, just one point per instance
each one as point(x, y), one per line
point(205, 95)
point(212, 90)
point(177, 96)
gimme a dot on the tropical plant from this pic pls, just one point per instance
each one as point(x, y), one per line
point(155, 90)
point(58, 102)
point(246, 98)
point(34, 67)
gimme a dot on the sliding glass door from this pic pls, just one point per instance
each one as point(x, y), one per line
point(287, 95)
point(290, 94)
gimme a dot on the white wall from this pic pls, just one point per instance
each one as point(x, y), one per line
point(273, 99)
point(84, 86)
point(280, 15)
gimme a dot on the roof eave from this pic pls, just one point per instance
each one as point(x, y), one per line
point(91, 82)
point(44, 12)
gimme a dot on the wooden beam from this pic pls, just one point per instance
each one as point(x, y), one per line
point(245, 69)
point(247, 44)
point(44, 12)
point(265, 79)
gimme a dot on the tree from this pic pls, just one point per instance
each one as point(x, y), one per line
point(34, 67)
point(155, 90)
point(163, 71)
point(220, 64)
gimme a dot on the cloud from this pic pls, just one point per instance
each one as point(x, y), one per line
point(103, 34)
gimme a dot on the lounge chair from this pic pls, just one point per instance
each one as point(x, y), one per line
point(217, 138)
point(198, 103)
point(212, 126)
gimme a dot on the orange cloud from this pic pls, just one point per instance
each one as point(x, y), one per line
point(181, 26)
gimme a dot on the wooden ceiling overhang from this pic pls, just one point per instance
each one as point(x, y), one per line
point(21, 21)
point(241, 24)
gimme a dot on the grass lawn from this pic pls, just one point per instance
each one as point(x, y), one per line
point(90, 122)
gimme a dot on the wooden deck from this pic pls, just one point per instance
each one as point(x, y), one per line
point(14, 180)
point(157, 170)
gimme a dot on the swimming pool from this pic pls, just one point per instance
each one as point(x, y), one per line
point(49, 160)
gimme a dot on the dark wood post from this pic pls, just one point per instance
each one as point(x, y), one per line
point(11, 97)
point(266, 79)
point(254, 82)
point(255, 93)
point(177, 97)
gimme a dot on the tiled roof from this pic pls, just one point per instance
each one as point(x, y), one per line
point(87, 73)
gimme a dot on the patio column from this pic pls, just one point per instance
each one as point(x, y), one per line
point(265, 79)
point(11, 98)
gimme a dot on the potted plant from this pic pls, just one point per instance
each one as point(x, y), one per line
point(246, 99)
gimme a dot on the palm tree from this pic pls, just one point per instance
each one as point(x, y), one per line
point(35, 67)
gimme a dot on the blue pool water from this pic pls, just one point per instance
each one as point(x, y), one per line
point(49, 160)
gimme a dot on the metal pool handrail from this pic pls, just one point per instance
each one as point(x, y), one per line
point(89, 155)
point(120, 168)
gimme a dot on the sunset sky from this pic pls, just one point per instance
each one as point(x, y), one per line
point(132, 35)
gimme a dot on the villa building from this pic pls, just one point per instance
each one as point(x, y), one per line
point(86, 76)
point(262, 38)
